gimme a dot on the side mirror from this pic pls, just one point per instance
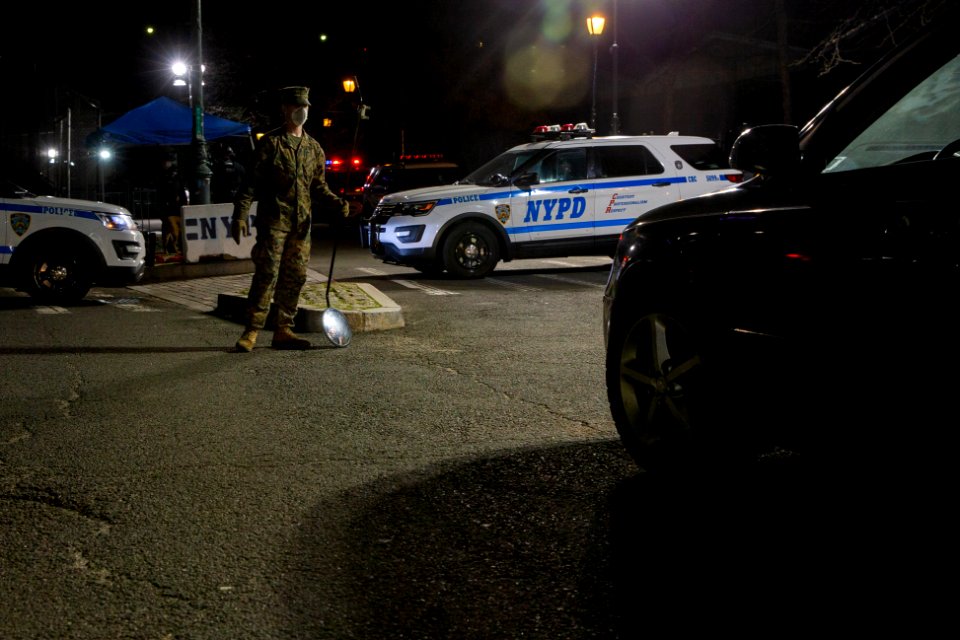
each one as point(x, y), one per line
point(526, 179)
point(767, 150)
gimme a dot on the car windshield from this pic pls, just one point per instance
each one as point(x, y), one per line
point(23, 187)
point(503, 166)
point(921, 123)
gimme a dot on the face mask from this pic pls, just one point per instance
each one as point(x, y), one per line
point(299, 116)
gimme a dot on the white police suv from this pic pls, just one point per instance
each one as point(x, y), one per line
point(566, 193)
point(57, 248)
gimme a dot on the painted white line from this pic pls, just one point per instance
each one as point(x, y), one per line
point(550, 276)
point(562, 263)
point(52, 310)
point(430, 291)
point(512, 285)
point(371, 271)
point(138, 308)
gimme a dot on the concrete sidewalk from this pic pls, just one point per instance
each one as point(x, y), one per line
point(221, 288)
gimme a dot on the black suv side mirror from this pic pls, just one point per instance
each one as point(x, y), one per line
point(767, 150)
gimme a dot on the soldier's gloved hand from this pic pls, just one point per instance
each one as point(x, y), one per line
point(346, 209)
point(238, 229)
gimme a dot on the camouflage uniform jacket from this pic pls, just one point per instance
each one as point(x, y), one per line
point(286, 182)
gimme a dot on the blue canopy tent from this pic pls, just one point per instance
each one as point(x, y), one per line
point(164, 121)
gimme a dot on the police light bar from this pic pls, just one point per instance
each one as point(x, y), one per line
point(563, 131)
point(336, 164)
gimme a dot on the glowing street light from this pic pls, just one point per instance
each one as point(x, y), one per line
point(595, 28)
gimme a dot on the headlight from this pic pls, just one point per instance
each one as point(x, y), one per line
point(116, 221)
point(417, 208)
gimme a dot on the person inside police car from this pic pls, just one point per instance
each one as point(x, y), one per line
point(287, 181)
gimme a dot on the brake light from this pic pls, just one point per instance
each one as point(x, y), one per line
point(733, 177)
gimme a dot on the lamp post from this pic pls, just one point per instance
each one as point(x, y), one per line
point(202, 171)
point(102, 156)
point(595, 29)
point(615, 125)
point(350, 86)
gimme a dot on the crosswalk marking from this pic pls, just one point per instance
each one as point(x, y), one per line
point(138, 308)
point(512, 285)
point(372, 272)
point(430, 291)
point(550, 276)
point(562, 263)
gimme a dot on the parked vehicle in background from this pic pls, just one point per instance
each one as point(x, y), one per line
point(811, 309)
point(57, 248)
point(566, 193)
point(410, 172)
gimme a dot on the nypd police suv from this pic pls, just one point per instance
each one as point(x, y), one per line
point(57, 248)
point(566, 193)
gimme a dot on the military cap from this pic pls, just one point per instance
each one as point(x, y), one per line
point(295, 95)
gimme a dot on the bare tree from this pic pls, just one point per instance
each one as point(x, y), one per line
point(871, 28)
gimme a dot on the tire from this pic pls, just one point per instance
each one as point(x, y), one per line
point(470, 251)
point(664, 398)
point(57, 274)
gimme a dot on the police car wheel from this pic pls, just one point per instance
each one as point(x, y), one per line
point(57, 274)
point(666, 397)
point(470, 251)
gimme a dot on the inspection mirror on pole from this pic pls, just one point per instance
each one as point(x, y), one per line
point(334, 322)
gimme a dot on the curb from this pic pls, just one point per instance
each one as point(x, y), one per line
point(184, 271)
point(365, 307)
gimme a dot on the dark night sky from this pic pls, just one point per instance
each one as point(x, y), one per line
point(434, 72)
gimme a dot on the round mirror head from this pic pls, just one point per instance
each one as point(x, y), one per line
point(336, 327)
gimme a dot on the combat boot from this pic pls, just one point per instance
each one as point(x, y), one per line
point(247, 340)
point(285, 338)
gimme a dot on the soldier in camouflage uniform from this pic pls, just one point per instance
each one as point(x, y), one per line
point(287, 178)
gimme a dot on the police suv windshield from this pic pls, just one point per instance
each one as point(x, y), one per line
point(493, 173)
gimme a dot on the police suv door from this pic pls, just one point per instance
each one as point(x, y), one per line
point(629, 180)
point(559, 209)
point(5, 249)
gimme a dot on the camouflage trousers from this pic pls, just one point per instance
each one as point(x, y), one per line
point(280, 261)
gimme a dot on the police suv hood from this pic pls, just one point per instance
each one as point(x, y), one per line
point(436, 193)
point(75, 204)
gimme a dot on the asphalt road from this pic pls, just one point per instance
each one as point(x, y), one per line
point(456, 478)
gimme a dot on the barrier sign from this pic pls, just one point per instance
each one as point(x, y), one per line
point(206, 232)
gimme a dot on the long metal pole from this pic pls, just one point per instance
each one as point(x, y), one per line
point(202, 170)
point(593, 108)
point(615, 128)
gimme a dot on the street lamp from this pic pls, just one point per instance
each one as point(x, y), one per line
point(350, 86)
point(615, 128)
point(594, 28)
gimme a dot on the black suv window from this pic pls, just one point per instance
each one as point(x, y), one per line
point(624, 160)
point(703, 157)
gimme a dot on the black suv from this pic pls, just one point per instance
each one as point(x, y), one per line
point(810, 309)
point(403, 175)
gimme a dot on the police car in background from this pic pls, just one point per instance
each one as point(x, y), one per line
point(565, 193)
point(57, 248)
